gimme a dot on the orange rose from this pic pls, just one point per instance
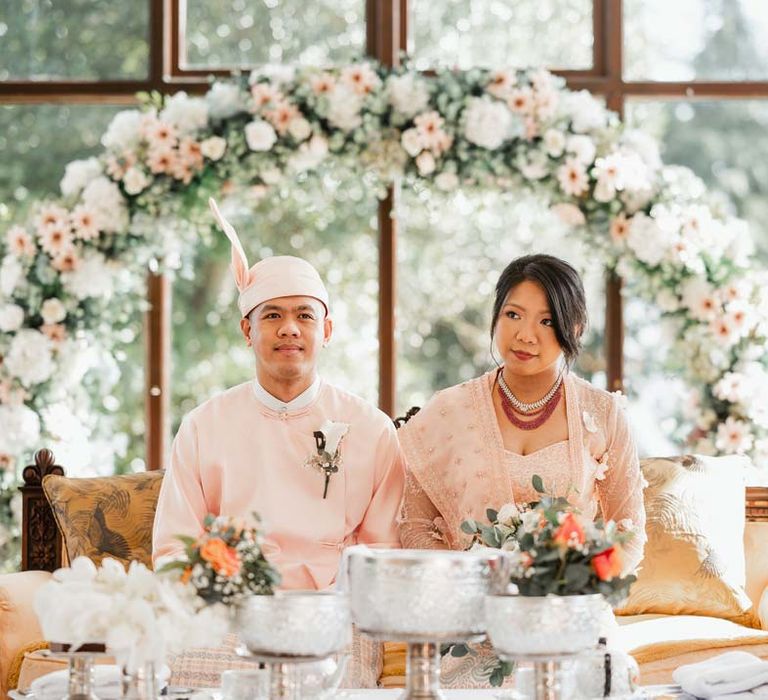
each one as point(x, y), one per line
point(186, 575)
point(608, 564)
point(223, 559)
point(570, 531)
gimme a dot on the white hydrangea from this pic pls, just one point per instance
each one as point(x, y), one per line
point(224, 100)
point(187, 114)
point(104, 199)
point(135, 180)
point(11, 317)
point(78, 174)
point(646, 240)
point(408, 94)
point(21, 429)
point(487, 122)
point(92, 278)
point(11, 273)
point(344, 109)
point(584, 110)
point(53, 310)
point(123, 132)
point(29, 357)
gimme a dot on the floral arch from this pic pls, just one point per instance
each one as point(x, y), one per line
point(142, 202)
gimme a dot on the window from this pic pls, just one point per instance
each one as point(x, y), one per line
point(693, 72)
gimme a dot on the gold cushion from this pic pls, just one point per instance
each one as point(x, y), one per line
point(107, 516)
point(694, 557)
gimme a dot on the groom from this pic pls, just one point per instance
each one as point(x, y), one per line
point(257, 447)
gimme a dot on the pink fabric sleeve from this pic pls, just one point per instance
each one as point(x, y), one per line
point(379, 525)
point(621, 491)
point(181, 507)
point(421, 525)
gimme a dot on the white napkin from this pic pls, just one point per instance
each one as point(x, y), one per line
point(735, 675)
point(107, 681)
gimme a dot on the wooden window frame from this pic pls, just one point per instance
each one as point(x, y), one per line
point(387, 23)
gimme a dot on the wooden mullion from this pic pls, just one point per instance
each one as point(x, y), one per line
point(156, 41)
point(698, 89)
point(384, 34)
point(613, 58)
point(599, 38)
point(157, 345)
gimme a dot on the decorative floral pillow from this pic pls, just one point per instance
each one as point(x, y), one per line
point(108, 516)
point(694, 557)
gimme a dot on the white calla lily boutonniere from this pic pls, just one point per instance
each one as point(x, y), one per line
point(327, 460)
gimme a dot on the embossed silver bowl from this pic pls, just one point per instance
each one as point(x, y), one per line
point(418, 595)
point(544, 626)
point(295, 624)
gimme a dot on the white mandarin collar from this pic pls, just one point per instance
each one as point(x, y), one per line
point(301, 401)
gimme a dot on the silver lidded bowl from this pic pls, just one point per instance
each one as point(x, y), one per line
point(295, 624)
point(417, 595)
point(544, 626)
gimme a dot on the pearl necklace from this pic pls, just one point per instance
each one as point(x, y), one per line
point(522, 407)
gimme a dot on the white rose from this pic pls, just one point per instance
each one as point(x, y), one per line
point(487, 122)
point(508, 513)
point(224, 100)
point(604, 191)
point(78, 174)
point(554, 142)
point(135, 180)
point(213, 147)
point(10, 274)
point(569, 214)
point(344, 109)
point(530, 520)
point(318, 146)
point(11, 318)
point(53, 311)
point(259, 135)
point(407, 94)
point(411, 142)
point(29, 358)
point(187, 114)
point(92, 278)
point(123, 132)
point(535, 166)
point(447, 181)
point(110, 209)
point(667, 300)
point(271, 176)
point(21, 429)
point(425, 162)
point(582, 147)
point(299, 128)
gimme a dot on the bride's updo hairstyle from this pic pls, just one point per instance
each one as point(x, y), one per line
point(565, 297)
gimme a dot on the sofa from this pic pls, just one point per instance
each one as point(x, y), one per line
point(668, 623)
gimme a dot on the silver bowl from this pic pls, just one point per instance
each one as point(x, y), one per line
point(294, 625)
point(543, 626)
point(417, 595)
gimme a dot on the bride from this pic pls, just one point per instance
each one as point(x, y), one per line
point(477, 445)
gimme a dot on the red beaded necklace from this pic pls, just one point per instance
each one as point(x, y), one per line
point(542, 415)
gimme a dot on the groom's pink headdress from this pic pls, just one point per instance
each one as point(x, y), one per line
point(278, 276)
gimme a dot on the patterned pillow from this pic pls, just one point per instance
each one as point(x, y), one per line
point(108, 516)
point(694, 557)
